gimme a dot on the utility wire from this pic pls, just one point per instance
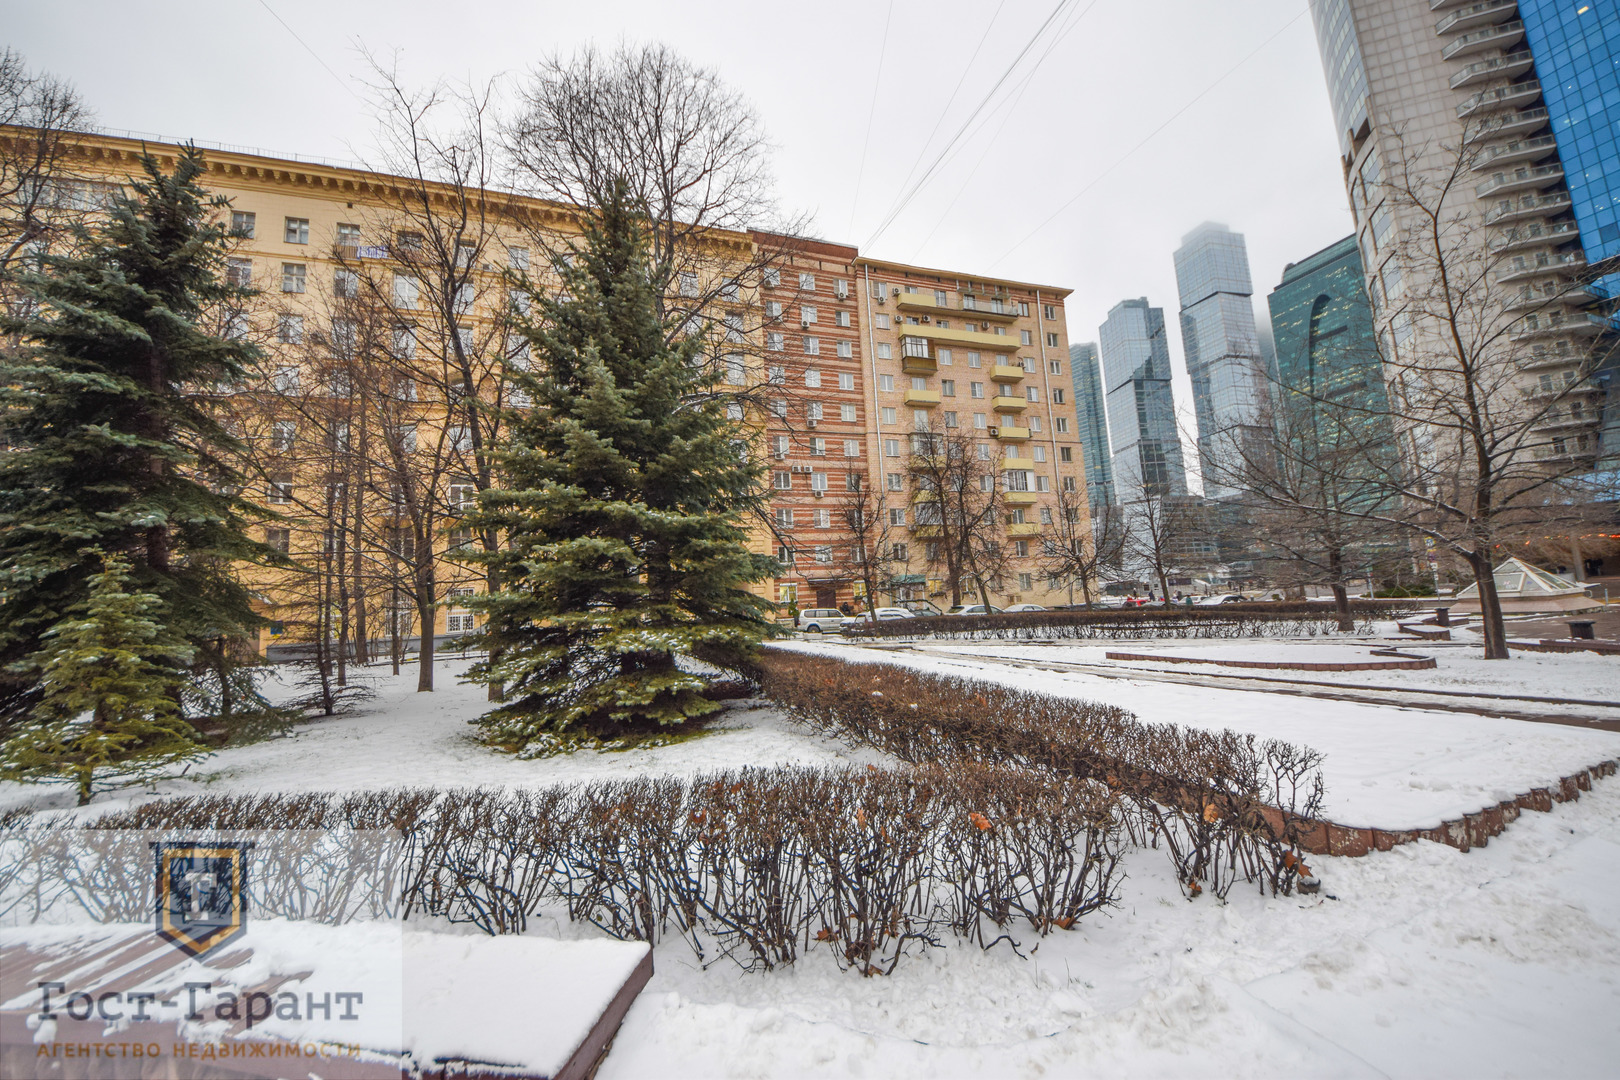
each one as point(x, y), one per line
point(974, 115)
point(877, 84)
point(355, 94)
point(1148, 138)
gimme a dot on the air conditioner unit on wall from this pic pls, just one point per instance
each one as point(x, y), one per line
point(880, 298)
point(810, 423)
point(994, 431)
point(818, 494)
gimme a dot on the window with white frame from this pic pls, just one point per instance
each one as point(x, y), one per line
point(812, 346)
point(285, 380)
point(1032, 393)
point(882, 321)
point(807, 313)
point(979, 421)
point(779, 444)
point(846, 349)
point(778, 408)
point(239, 272)
point(773, 309)
point(1051, 341)
point(283, 434)
point(1025, 338)
point(884, 350)
point(407, 291)
point(812, 376)
point(292, 277)
point(889, 416)
point(775, 342)
point(846, 380)
point(1034, 423)
point(973, 359)
point(243, 223)
point(950, 419)
point(405, 342)
point(773, 277)
point(1057, 395)
point(1060, 424)
point(841, 318)
point(782, 480)
point(852, 448)
point(818, 447)
point(1040, 453)
point(280, 490)
point(846, 413)
point(1054, 367)
point(976, 389)
point(891, 447)
point(518, 258)
point(813, 411)
point(818, 481)
point(736, 370)
point(689, 283)
point(886, 383)
point(947, 387)
point(344, 336)
point(784, 517)
point(807, 282)
point(776, 375)
point(297, 230)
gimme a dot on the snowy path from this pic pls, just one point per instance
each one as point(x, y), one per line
point(1426, 962)
point(1386, 767)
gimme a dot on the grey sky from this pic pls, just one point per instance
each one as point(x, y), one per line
point(1255, 152)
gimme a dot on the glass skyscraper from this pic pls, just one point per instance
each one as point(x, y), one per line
point(1092, 424)
point(1327, 347)
point(1141, 411)
point(1221, 346)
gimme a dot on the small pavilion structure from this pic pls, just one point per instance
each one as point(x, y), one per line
point(1526, 589)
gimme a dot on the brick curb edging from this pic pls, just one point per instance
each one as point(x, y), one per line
point(1464, 833)
point(1602, 648)
point(1406, 662)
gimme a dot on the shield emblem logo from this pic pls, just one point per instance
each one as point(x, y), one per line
point(201, 893)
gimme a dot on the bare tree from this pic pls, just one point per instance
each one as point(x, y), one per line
point(865, 519)
point(958, 509)
point(1491, 363)
point(38, 197)
point(1085, 551)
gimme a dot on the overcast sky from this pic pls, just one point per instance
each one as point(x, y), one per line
point(1228, 94)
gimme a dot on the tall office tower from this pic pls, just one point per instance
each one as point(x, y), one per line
point(1141, 412)
point(1322, 323)
point(1221, 346)
point(1530, 89)
point(1091, 423)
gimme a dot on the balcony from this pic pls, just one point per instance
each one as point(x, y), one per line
point(1492, 37)
point(1530, 206)
point(1502, 97)
point(1580, 324)
point(1518, 150)
point(1007, 403)
point(915, 356)
point(1520, 179)
point(1020, 498)
point(1517, 123)
point(1552, 359)
point(1024, 528)
point(927, 532)
point(1562, 421)
point(1510, 66)
point(1011, 434)
point(917, 301)
point(1007, 373)
point(1479, 14)
point(1437, 5)
point(994, 308)
point(1013, 461)
point(1544, 263)
point(1537, 235)
point(922, 399)
point(974, 339)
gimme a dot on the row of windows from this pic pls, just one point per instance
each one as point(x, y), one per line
point(923, 420)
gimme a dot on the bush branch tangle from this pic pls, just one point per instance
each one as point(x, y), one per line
point(1223, 805)
point(1223, 621)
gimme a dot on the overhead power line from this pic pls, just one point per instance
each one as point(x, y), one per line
point(1146, 139)
point(905, 199)
point(877, 83)
point(341, 81)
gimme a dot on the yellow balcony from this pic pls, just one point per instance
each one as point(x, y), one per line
point(918, 301)
point(1013, 461)
point(927, 532)
point(1007, 373)
point(924, 497)
point(1019, 498)
point(1008, 404)
point(1012, 434)
point(972, 338)
point(922, 399)
point(1024, 528)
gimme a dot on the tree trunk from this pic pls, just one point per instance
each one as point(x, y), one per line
point(85, 786)
point(1490, 606)
point(425, 591)
point(1341, 596)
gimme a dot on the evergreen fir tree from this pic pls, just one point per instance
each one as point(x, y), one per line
point(104, 398)
point(623, 507)
point(107, 678)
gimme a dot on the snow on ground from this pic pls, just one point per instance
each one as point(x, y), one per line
point(1422, 962)
point(1386, 767)
point(1583, 676)
point(401, 738)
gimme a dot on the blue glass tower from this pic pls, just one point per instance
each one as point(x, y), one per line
point(1141, 411)
point(1092, 423)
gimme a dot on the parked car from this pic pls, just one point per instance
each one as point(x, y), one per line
point(922, 609)
point(884, 614)
point(973, 609)
point(820, 620)
point(1026, 607)
point(1219, 598)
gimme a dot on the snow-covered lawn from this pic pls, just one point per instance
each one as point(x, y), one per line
point(401, 738)
point(1585, 676)
point(1423, 962)
point(1386, 767)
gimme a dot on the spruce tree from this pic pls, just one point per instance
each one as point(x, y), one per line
point(623, 504)
point(105, 392)
point(108, 683)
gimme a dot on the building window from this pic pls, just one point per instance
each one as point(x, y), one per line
point(243, 223)
point(813, 411)
point(1065, 453)
point(1051, 341)
point(886, 383)
point(689, 283)
point(774, 342)
point(807, 282)
point(979, 421)
point(297, 230)
point(882, 321)
point(818, 481)
point(973, 359)
point(239, 272)
point(1025, 338)
point(1060, 424)
point(884, 350)
point(950, 419)
point(283, 433)
point(736, 371)
point(290, 329)
point(841, 318)
point(846, 413)
point(1068, 483)
point(818, 447)
point(280, 491)
point(812, 376)
point(947, 387)
point(846, 380)
point(773, 277)
point(891, 448)
point(846, 349)
point(976, 389)
point(784, 517)
point(782, 480)
point(292, 277)
point(852, 448)
point(1040, 453)
point(897, 515)
point(1024, 581)
point(406, 291)
point(1051, 312)
point(278, 540)
point(1057, 396)
point(1054, 367)
point(1032, 393)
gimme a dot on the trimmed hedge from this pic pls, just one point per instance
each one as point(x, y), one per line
point(1225, 805)
point(1218, 621)
point(757, 866)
